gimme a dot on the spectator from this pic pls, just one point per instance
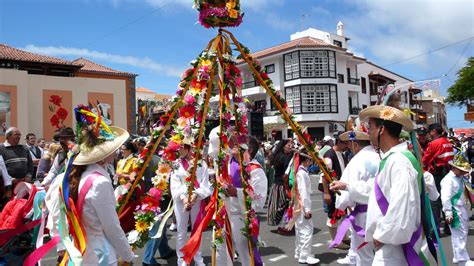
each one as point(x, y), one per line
point(47, 160)
point(17, 157)
point(35, 151)
point(41, 143)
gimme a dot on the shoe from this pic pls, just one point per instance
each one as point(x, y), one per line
point(347, 260)
point(172, 227)
point(170, 254)
point(236, 255)
point(309, 260)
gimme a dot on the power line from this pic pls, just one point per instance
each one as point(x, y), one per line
point(462, 54)
point(428, 52)
point(128, 24)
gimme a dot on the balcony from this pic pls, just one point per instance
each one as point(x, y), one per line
point(249, 84)
point(353, 81)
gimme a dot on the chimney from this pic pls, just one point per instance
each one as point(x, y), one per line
point(340, 29)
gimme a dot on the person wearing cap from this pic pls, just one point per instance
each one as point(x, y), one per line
point(304, 221)
point(184, 207)
point(452, 197)
point(337, 161)
point(394, 206)
point(106, 241)
point(438, 154)
point(66, 137)
point(421, 135)
point(234, 198)
point(355, 186)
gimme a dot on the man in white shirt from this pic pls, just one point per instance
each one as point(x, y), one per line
point(394, 208)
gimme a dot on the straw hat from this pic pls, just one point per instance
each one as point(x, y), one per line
point(355, 130)
point(90, 155)
point(303, 152)
point(460, 163)
point(387, 113)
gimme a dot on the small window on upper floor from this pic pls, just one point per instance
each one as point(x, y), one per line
point(270, 68)
point(337, 43)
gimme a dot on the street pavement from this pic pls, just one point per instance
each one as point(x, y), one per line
point(279, 250)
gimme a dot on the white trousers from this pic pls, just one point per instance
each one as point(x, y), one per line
point(241, 244)
point(365, 255)
point(182, 220)
point(459, 239)
point(303, 237)
point(390, 255)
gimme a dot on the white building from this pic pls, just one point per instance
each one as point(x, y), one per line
point(320, 79)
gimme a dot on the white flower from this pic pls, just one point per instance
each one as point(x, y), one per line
point(133, 236)
point(155, 180)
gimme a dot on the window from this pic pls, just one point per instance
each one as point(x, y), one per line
point(270, 69)
point(310, 64)
point(340, 78)
point(348, 74)
point(292, 96)
point(312, 98)
point(337, 43)
point(292, 70)
point(363, 85)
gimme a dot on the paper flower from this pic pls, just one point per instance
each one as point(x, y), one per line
point(387, 114)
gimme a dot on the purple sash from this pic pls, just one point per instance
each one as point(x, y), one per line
point(411, 256)
point(235, 173)
point(344, 226)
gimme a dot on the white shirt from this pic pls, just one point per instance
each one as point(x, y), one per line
point(304, 187)
point(342, 164)
point(359, 175)
point(99, 218)
point(398, 183)
point(178, 186)
point(258, 181)
point(430, 184)
point(450, 185)
point(7, 179)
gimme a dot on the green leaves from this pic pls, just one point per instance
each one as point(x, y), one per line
point(462, 92)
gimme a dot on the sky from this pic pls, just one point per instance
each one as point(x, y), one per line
point(156, 39)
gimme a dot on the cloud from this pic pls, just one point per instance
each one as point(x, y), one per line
point(145, 62)
point(394, 30)
point(260, 5)
point(278, 22)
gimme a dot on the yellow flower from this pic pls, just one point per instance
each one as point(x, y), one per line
point(195, 90)
point(230, 5)
point(162, 185)
point(387, 114)
point(233, 13)
point(141, 226)
point(176, 139)
point(206, 62)
point(164, 169)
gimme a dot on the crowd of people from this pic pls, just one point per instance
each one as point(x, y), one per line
point(371, 199)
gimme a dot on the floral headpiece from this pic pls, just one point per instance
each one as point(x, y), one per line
point(219, 13)
point(460, 162)
point(90, 128)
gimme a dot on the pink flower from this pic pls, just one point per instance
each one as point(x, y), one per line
point(189, 99)
point(155, 193)
point(254, 224)
point(173, 146)
point(238, 82)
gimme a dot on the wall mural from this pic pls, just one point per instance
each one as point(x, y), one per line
point(104, 102)
point(57, 108)
point(8, 111)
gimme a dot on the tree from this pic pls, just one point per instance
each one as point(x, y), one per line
point(462, 91)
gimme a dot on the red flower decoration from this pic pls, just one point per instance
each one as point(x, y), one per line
point(54, 121)
point(55, 99)
point(187, 111)
point(61, 113)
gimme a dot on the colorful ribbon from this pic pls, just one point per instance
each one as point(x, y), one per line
point(344, 226)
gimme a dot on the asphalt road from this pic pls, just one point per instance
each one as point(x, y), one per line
point(279, 250)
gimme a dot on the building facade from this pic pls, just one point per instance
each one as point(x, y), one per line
point(321, 80)
point(38, 93)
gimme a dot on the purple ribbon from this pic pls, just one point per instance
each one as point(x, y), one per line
point(411, 256)
point(235, 173)
point(257, 258)
point(344, 226)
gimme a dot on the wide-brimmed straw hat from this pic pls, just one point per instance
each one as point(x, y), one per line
point(461, 163)
point(355, 130)
point(90, 155)
point(387, 113)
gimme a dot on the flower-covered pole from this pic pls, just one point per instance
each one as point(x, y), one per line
point(202, 126)
point(292, 124)
point(158, 139)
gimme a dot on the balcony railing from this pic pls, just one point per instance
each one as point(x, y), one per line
point(353, 81)
point(249, 84)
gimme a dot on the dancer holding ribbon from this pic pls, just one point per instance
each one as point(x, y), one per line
point(356, 184)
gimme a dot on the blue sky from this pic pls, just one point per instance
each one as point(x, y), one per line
point(157, 38)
